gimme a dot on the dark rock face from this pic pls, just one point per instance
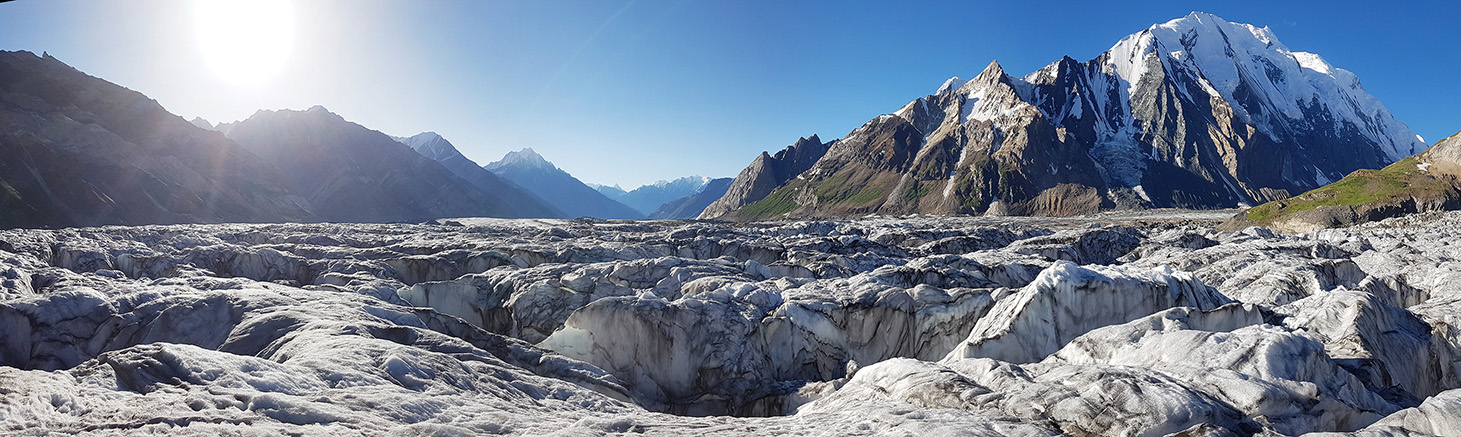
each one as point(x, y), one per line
point(76, 150)
point(766, 173)
point(690, 207)
point(529, 170)
point(521, 203)
point(1194, 113)
point(354, 174)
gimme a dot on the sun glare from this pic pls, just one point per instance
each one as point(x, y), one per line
point(246, 42)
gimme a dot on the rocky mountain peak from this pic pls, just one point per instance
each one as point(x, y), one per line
point(767, 172)
point(527, 157)
point(992, 73)
point(528, 169)
point(810, 141)
point(201, 122)
point(1444, 157)
point(431, 145)
point(315, 114)
point(1050, 74)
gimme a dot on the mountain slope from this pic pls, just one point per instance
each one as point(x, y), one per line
point(1429, 181)
point(691, 206)
point(529, 170)
point(523, 203)
point(765, 173)
point(354, 174)
point(649, 198)
point(76, 150)
point(1196, 113)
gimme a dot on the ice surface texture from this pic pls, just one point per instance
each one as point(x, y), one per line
point(868, 326)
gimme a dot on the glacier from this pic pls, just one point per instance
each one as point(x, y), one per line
point(1146, 323)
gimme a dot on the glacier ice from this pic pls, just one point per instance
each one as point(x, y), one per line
point(1110, 325)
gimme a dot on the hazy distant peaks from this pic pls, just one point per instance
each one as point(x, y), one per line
point(526, 157)
point(650, 197)
point(431, 145)
point(693, 181)
point(606, 189)
point(202, 123)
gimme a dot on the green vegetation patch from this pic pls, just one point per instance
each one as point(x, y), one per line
point(967, 188)
point(1401, 179)
point(833, 188)
point(838, 190)
point(775, 204)
point(918, 190)
point(868, 194)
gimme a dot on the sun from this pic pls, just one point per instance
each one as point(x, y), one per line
point(246, 42)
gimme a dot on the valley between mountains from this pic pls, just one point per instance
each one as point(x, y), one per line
point(1199, 232)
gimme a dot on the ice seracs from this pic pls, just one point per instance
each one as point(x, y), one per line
point(1066, 301)
point(985, 326)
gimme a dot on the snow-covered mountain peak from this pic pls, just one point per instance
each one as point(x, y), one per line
point(953, 83)
point(1193, 112)
point(1205, 23)
point(1276, 90)
point(692, 183)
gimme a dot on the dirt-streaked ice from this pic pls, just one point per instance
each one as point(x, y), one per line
point(913, 325)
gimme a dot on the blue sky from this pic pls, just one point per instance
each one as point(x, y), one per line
point(630, 92)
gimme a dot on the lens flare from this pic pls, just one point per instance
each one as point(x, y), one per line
point(246, 42)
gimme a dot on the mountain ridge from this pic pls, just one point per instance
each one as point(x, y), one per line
point(351, 173)
point(1429, 181)
point(1196, 112)
point(82, 151)
point(525, 204)
point(765, 173)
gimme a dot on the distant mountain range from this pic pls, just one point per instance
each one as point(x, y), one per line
point(649, 198)
point(529, 170)
point(351, 173)
point(526, 204)
point(692, 206)
point(1193, 113)
point(80, 151)
point(1196, 112)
